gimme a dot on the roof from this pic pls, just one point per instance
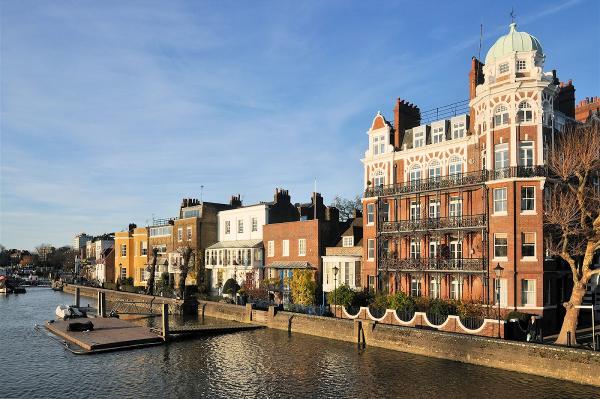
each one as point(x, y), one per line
point(290, 265)
point(512, 42)
point(237, 244)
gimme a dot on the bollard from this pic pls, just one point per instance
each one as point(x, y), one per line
point(569, 338)
point(102, 304)
point(165, 321)
point(597, 343)
point(77, 296)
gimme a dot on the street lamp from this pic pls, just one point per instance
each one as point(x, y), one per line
point(335, 272)
point(498, 270)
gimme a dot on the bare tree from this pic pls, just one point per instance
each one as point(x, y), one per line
point(572, 218)
point(347, 206)
point(152, 271)
point(186, 254)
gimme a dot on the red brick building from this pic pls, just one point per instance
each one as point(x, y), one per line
point(300, 244)
point(453, 192)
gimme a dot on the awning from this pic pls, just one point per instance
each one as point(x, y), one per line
point(237, 244)
point(290, 265)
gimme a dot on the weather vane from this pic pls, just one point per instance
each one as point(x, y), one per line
point(512, 14)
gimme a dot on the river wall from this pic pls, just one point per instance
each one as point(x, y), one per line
point(575, 365)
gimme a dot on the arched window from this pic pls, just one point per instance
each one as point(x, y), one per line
point(501, 115)
point(378, 178)
point(525, 112)
point(455, 166)
point(435, 169)
point(415, 173)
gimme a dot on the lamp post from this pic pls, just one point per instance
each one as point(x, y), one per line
point(498, 270)
point(335, 272)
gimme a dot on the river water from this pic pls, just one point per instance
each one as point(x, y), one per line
point(256, 364)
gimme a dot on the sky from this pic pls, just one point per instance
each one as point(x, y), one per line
point(111, 112)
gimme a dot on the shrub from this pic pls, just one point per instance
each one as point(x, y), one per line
point(257, 294)
point(471, 309)
point(401, 301)
point(303, 287)
point(110, 286)
point(342, 295)
point(230, 286)
point(380, 301)
point(362, 298)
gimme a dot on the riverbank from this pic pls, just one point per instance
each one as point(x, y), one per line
point(568, 364)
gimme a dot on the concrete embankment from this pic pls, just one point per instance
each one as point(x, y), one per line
point(570, 364)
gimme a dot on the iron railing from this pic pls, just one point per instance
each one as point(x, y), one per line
point(445, 223)
point(455, 181)
point(472, 265)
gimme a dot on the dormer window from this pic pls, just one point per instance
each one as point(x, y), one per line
point(348, 241)
point(503, 68)
point(525, 113)
point(437, 136)
point(521, 65)
point(458, 130)
point(378, 144)
point(501, 115)
point(419, 139)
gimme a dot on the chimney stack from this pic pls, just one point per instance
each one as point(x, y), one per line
point(406, 116)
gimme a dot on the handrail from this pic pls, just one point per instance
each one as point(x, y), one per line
point(450, 222)
point(479, 177)
point(390, 264)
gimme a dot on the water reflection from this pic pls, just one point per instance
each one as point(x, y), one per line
point(260, 363)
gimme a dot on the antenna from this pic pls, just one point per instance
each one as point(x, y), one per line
point(512, 14)
point(315, 200)
point(201, 193)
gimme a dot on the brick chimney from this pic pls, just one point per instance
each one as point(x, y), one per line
point(131, 227)
point(475, 77)
point(282, 196)
point(235, 201)
point(406, 116)
point(566, 98)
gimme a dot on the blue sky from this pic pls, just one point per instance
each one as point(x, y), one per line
point(113, 111)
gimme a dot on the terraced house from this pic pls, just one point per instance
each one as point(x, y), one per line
point(452, 193)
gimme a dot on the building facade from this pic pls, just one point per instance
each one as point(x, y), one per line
point(447, 199)
point(299, 245)
point(342, 263)
point(239, 252)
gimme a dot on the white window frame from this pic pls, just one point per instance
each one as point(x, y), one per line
point(415, 210)
point(189, 233)
point(458, 130)
point(415, 248)
point(521, 65)
point(528, 288)
point(501, 156)
point(370, 249)
point(437, 134)
point(434, 288)
point(501, 115)
point(526, 153)
point(435, 169)
point(302, 247)
point(254, 224)
point(415, 173)
point(123, 250)
point(285, 248)
point(419, 139)
point(378, 178)
point(370, 213)
point(180, 234)
point(524, 112)
point(455, 207)
point(415, 287)
point(240, 226)
point(526, 199)
point(455, 167)
point(270, 248)
point(530, 244)
point(228, 227)
point(497, 237)
point(456, 288)
point(434, 208)
point(348, 241)
point(433, 249)
point(503, 68)
point(500, 201)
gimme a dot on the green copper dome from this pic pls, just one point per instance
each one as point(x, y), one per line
point(513, 42)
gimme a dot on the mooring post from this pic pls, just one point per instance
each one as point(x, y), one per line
point(165, 321)
point(77, 296)
point(102, 304)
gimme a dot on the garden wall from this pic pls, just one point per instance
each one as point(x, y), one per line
point(489, 328)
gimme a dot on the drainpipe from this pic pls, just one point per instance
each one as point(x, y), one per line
point(515, 244)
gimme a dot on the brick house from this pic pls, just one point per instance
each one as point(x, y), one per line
point(346, 256)
point(300, 244)
point(453, 192)
point(239, 252)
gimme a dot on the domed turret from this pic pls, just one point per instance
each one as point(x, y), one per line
point(513, 42)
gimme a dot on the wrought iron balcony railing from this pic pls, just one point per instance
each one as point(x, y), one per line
point(470, 265)
point(455, 181)
point(446, 223)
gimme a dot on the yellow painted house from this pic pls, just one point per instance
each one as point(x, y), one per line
point(140, 256)
point(123, 255)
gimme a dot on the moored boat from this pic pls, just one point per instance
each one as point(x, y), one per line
point(69, 312)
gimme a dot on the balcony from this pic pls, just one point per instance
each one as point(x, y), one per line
point(456, 265)
point(455, 181)
point(465, 222)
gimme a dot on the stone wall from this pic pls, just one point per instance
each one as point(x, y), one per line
point(575, 365)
